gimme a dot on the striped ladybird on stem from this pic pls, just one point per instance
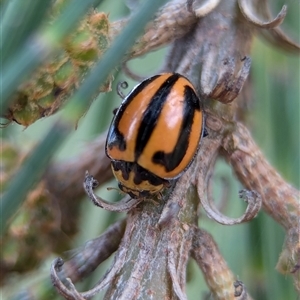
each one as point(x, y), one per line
point(155, 134)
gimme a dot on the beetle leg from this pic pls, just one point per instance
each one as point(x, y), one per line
point(205, 132)
point(67, 292)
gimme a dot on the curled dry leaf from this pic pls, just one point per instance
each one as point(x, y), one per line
point(279, 199)
point(125, 204)
point(255, 10)
point(252, 198)
point(251, 16)
point(203, 8)
point(84, 260)
point(257, 174)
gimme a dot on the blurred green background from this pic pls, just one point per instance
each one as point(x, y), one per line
point(252, 249)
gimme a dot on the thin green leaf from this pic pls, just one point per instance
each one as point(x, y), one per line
point(20, 19)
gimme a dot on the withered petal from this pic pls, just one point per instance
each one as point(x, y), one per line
point(204, 8)
point(248, 10)
point(278, 38)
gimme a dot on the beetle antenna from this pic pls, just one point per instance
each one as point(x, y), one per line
point(122, 85)
point(110, 188)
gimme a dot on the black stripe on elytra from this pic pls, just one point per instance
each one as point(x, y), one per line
point(171, 160)
point(151, 114)
point(140, 174)
point(114, 137)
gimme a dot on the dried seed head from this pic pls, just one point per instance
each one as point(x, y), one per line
point(54, 82)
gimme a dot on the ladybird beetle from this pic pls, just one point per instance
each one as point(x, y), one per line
point(154, 134)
